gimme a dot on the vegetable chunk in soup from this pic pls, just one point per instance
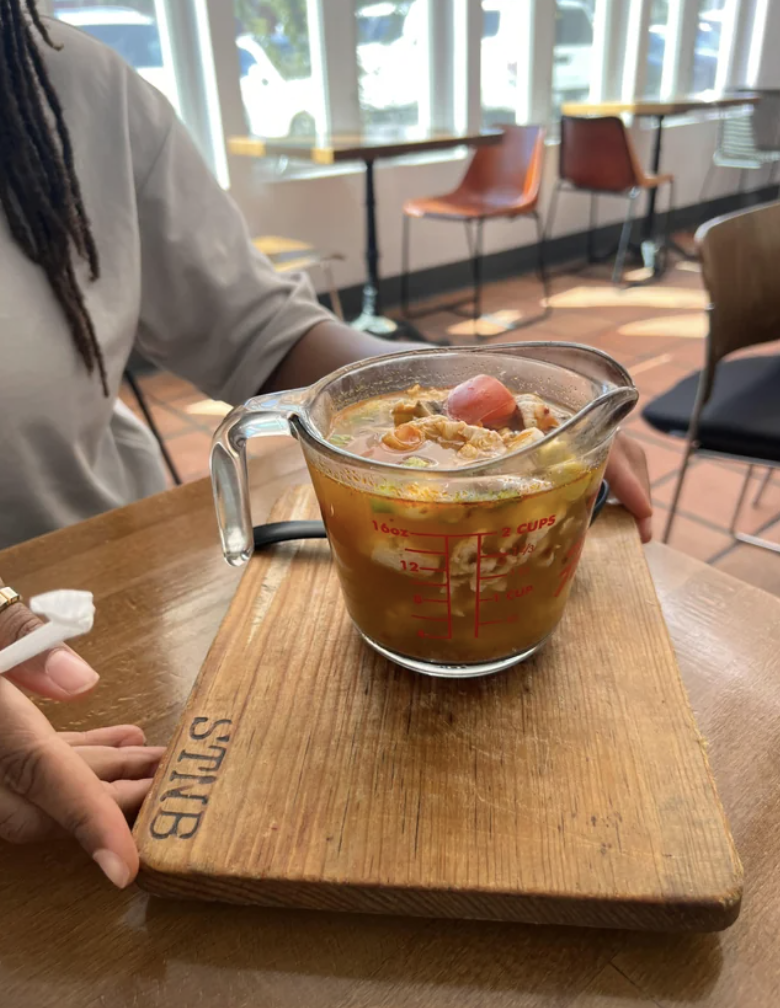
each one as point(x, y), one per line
point(448, 566)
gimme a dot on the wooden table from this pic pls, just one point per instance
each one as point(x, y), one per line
point(658, 110)
point(327, 150)
point(161, 586)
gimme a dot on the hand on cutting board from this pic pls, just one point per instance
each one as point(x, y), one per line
point(629, 481)
point(57, 783)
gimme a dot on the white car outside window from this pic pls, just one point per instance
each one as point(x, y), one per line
point(274, 107)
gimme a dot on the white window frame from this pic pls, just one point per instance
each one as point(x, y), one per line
point(466, 70)
point(635, 64)
point(198, 39)
point(535, 61)
point(681, 30)
point(610, 43)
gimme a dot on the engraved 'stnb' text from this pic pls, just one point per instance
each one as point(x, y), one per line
point(183, 804)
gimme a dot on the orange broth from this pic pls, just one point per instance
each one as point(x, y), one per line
point(459, 582)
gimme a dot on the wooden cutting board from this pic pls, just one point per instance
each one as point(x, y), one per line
point(309, 772)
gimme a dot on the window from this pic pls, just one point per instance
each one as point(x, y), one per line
point(656, 47)
point(573, 52)
point(131, 29)
point(254, 66)
point(392, 65)
point(274, 63)
point(709, 35)
point(499, 58)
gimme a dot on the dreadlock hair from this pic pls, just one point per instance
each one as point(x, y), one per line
point(39, 190)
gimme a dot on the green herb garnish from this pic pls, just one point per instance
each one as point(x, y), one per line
point(415, 462)
point(340, 440)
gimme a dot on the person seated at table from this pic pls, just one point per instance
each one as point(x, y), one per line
point(115, 235)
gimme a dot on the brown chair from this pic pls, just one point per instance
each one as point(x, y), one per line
point(597, 156)
point(733, 413)
point(502, 181)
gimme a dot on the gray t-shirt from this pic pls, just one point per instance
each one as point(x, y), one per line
point(179, 280)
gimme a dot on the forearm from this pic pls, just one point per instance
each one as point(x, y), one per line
point(325, 348)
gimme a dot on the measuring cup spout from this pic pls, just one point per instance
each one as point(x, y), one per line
point(263, 416)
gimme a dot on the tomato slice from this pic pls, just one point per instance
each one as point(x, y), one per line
point(482, 400)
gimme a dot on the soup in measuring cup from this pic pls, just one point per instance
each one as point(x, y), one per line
point(457, 570)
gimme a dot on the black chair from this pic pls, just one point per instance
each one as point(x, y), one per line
point(732, 410)
point(135, 388)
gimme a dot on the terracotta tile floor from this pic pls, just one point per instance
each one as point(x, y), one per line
point(656, 331)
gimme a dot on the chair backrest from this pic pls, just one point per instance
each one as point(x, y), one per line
point(508, 171)
point(736, 136)
point(595, 153)
point(740, 253)
point(766, 120)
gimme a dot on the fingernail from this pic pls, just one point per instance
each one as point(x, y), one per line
point(646, 529)
point(113, 867)
point(70, 672)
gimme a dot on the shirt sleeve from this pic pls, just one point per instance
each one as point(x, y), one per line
point(213, 309)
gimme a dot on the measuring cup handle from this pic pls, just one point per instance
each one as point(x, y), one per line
point(264, 416)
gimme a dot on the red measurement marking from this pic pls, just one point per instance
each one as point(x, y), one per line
point(451, 535)
point(448, 582)
point(430, 619)
point(572, 559)
point(478, 586)
point(431, 568)
point(424, 552)
point(491, 598)
point(489, 577)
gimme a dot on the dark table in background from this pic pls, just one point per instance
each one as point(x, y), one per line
point(338, 148)
point(647, 108)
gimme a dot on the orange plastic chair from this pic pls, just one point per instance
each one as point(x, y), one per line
point(502, 181)
point(597, 156)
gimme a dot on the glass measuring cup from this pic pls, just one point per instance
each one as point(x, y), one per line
point(448, 571)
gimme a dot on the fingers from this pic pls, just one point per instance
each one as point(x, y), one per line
point(58, 674)
point(116, 735)
point(38, 765)
point(630, 482)
point(22, 822)
point(129, 794)
point(129, 763)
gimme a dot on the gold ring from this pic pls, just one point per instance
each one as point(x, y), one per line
point(7, 598)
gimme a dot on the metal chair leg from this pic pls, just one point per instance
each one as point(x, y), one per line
point(764, 484)
point(667, 230)
point(139, 397)
point(773, 180)
point(704, 184)
point(689, 450)
point(333, 291)
point(625, 235)
point(541, 263)
point(551, 212)
point(405, 268)
point(476, 266)
point(590, 249)
point(744, 537)
point(741, 500)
